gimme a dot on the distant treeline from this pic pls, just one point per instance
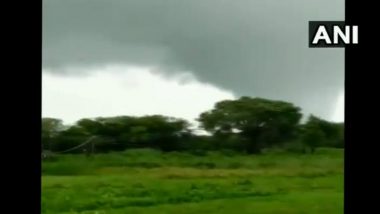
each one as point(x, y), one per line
point(246, 125)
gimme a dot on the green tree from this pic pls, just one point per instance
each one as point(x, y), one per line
point(260, 122)
point(161, 132)
point(92, 127)
point(325, 133)
point(69, 138)
point(312, 136)
point(155, 131)
point(50, 128)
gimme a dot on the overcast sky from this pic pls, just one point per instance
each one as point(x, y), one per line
point(179, 57)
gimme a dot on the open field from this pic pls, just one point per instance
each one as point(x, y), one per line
point(146, 181)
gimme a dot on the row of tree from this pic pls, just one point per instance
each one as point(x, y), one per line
point(246, 125)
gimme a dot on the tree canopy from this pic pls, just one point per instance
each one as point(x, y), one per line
point(260, 121)
point(245, 124)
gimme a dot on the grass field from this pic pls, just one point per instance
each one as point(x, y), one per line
point(149, 182)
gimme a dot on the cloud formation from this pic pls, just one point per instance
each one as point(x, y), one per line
point(252, 47)
point(118, 90)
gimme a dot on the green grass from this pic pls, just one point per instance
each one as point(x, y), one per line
point(146, 181)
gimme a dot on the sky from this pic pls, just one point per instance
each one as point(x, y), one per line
point(178, 57)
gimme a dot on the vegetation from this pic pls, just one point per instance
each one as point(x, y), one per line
point(258, 122)
point(246, 125)
point(258, 158)
point(150, 181)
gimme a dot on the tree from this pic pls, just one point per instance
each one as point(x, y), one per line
point(259, 122)
point(155, 131)
point(317, 132)
point(160, 132)
point(50, 128)
point(90, 126)
point(69, 138)
point(312, 136)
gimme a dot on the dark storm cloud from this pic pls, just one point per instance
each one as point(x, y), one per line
point(252, 47)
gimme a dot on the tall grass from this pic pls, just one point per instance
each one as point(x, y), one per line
point(326, 159)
